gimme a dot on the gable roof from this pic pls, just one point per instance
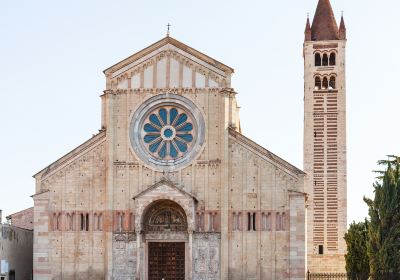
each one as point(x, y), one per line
point(176, 43)
point(167, 182)
point(97, 138)
point(324, 26)
point(274, 158)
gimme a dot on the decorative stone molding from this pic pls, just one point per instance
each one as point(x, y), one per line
point(164, 190)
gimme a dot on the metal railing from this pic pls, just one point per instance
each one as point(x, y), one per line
point(326, 276)
point(352, 276)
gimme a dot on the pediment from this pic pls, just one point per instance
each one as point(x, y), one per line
point(164, 187)
point(168, 64)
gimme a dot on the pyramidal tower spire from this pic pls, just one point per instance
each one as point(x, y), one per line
point(325, 140)
point(342, 29)
point(307, 32)
point(324, 26)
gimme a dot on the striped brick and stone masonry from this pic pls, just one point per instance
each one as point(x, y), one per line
point(325, 140)
point(22, 219)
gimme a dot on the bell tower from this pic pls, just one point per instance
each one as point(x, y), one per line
point(325, 140)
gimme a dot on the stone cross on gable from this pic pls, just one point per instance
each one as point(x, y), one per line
point(168, 28)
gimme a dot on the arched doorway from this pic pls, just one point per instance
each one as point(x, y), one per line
point(165, 230)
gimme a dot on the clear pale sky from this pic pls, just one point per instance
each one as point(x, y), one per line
point(52, 54)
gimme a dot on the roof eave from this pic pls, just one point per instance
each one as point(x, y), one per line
point(176, 43)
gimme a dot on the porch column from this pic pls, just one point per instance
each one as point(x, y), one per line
point(190, 252)
point(138, 249)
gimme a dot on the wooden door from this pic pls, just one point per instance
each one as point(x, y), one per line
point(166, 261)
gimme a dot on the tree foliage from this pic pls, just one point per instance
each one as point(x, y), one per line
point(357, 261)
point(384, 227)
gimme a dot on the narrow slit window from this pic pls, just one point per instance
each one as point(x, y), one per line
point(332, 82)
point(332, 59)
point(254, 221)
point(317, 83)
point(82, 222)
point(87, 222)
point(320, 249)
point(325, 83)
point(248, 221)
point(325, 60)
point(317, 59)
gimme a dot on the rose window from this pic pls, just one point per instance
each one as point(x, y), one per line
point(168, 133)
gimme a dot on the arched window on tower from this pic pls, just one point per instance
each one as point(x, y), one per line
point(317, 59)
point(325, 83)
point(332, 82)
point(325, 60)
point(317, 83)
point(332, 59)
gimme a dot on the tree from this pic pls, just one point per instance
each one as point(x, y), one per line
point(384, 227)
point(357, 261)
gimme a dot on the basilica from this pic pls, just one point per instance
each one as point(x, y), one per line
point(170, 188)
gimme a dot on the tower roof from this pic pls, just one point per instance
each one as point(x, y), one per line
point(342, 29)
point(324, 26)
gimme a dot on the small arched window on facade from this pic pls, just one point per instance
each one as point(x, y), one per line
point(317, 83)
point(317, 59)
point(325, 83)
point(332, 82)
point(332, 59)
point(84, 222)
point(325, 60)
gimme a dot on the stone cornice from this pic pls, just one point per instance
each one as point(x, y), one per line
point(264, 152)
point(179, 91)
point(168, 183)
point(174, 42)
point(98, 138)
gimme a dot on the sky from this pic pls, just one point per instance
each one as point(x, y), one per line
point(52, 54)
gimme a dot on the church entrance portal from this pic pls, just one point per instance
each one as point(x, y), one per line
point(166, 260)
point(165, 231)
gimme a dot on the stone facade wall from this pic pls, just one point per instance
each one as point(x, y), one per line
point(124, 256)
point(22, 219)
point(206, 256)
point(258, 186)
point(230, 176)
point(16, 247)
point(62, 248)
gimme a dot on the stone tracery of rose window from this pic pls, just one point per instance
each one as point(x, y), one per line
point(168, 133)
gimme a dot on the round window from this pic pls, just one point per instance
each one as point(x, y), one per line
point(167, 131)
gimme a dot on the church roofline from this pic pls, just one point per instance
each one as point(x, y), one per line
point(70, 155)
point(174, 42)
point(240, 137)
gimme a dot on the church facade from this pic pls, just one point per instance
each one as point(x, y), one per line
point(170, 188)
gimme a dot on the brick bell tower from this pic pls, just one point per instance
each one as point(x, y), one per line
point(325, 140)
